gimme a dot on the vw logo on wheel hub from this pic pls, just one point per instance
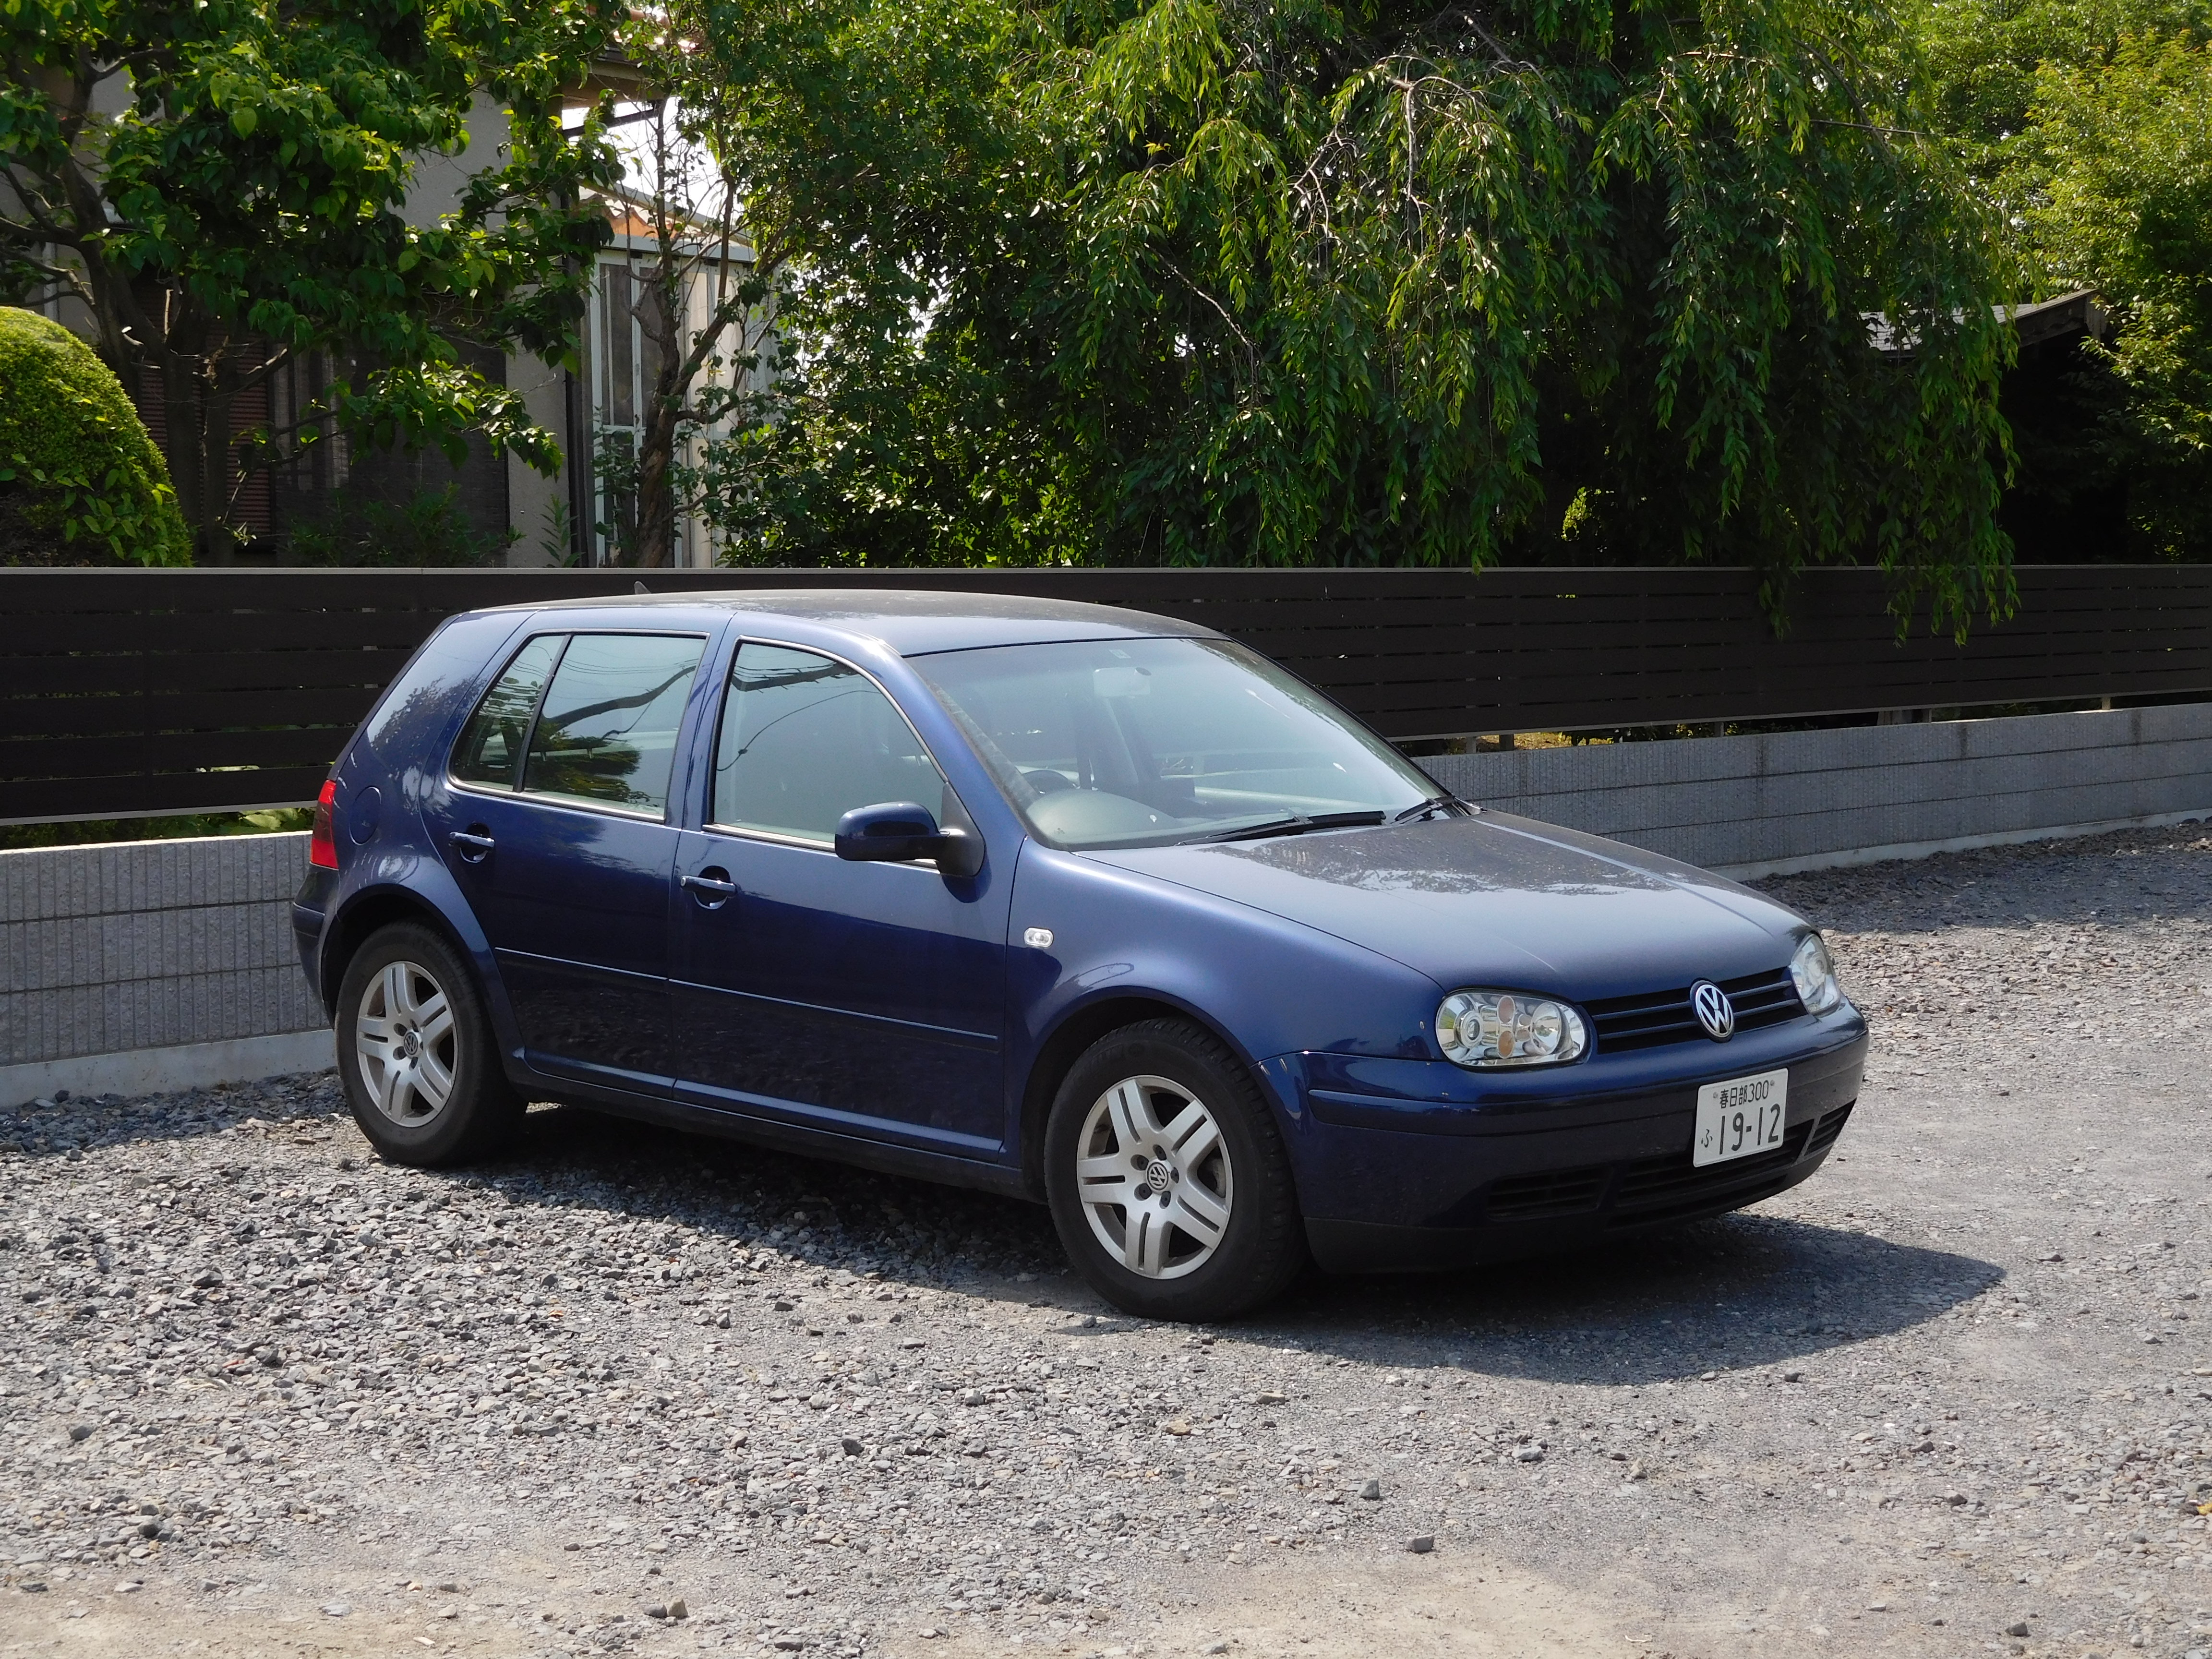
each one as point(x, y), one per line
point(1157, 1174)
point(1715, 1013)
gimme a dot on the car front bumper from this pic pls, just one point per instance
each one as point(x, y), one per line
point(1412, 1165)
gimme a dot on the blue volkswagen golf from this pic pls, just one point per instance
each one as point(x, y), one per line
point(1069, 903)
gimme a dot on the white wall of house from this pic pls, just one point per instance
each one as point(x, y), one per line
point(537, 505)
point(541, 510)
point(618, 375)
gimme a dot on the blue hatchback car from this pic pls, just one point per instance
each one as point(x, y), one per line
point(1070, 903)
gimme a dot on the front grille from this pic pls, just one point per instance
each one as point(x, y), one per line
point(1534, 1198)
point(1649, 1189)
point(1655, 1188)
point(1654, 1019)
point(1825, 1134)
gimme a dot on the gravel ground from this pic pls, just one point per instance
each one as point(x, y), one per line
point(260, 1393)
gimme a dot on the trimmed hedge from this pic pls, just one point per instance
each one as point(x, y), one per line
point(78, 470)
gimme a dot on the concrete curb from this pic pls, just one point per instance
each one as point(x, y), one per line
point(1926, 849)
point(163, 1070)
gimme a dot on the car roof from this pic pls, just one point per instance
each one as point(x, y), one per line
point(914, 622)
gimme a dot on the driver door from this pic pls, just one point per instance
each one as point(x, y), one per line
point(867, 999)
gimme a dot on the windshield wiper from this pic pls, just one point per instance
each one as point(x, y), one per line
point(1298, 824)
point(1422, 809)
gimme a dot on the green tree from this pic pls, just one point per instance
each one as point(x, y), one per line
point(894, 180)
point(2115, 176)
point(699, 292)
point(2086, 124)
point(225, 185)
point(1361, 283)
point(79, 477)
point(1978, 60)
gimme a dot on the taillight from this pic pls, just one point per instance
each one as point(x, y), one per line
point(322, 848)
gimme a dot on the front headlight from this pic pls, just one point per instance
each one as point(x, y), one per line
point(1505, 1028)
point(1815, 976)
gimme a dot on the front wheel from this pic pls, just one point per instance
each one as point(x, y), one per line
point(417, 1054)
point(1170, 1190)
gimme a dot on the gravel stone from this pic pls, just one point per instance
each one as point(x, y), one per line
point(841, 1409)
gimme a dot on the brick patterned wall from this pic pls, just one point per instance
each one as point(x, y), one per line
point(1814, 795)
point(151, 944)
point(144, 945)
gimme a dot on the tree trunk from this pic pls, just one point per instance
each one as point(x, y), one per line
point(216, 536)
point(653, 539)
point(196, 408)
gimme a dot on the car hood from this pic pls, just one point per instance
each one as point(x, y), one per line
point(1495, 900)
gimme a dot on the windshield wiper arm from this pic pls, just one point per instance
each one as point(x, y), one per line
point(1421, 809)
point(1298, 825)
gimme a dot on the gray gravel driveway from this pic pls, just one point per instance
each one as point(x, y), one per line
point(261, 1393)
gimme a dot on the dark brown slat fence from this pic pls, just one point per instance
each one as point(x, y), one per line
point(133, 692)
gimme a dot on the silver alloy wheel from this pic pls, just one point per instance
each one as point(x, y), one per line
point(1152, 1174)
point(406, 1043)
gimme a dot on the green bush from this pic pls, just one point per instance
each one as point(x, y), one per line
point(427, 528)
point(80, 477)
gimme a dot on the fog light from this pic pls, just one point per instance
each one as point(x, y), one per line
point(1813, 973)
point(1506, 1027)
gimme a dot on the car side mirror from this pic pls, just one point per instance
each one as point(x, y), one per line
point(895, 832)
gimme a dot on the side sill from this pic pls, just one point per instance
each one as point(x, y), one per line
point(935, 1167)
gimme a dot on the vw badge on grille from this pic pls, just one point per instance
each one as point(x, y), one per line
point(1714, 1010)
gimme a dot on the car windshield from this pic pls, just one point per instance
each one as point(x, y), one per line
point(1137, 742)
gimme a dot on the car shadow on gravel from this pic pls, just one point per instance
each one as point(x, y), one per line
point(1740, 1291)
point(1743, 1291)
point(811, 1210)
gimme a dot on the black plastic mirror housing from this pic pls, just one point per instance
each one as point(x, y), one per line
point(897, 831)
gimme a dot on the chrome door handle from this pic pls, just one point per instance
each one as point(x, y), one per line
point(711, 887)
point(472, 847)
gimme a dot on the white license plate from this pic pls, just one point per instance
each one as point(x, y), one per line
point(1741, 1117)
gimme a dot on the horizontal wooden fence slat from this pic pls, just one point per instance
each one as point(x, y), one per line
point(92, 676)
point(235, 630)
point(190, 711)
point(136, 692)
point(55, 800)
point(159, 753)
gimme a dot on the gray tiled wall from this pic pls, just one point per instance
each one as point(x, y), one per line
point(145, 945)
point(1754, 800)
point(151, 944)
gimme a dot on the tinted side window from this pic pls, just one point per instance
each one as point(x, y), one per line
point(491, 747)
point(805, 739)
point(607, 732)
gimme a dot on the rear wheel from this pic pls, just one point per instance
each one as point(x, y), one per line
point(417, 1054)
point(1169, 1188)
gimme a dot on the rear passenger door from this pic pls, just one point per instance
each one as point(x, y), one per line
point(555, 821)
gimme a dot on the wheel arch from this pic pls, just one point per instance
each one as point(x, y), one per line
point(362, 917)
point(1067, 1040)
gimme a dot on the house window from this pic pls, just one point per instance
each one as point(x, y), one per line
point(622, 364)
point(626, 364)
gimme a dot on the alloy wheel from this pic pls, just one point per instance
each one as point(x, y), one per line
point(1153, 1176)
point(406, 1044)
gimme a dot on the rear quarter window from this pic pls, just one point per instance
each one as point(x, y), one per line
point(490, 749)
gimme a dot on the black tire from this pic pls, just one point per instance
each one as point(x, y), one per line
point(1194, 1271)
point(478, 1112)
